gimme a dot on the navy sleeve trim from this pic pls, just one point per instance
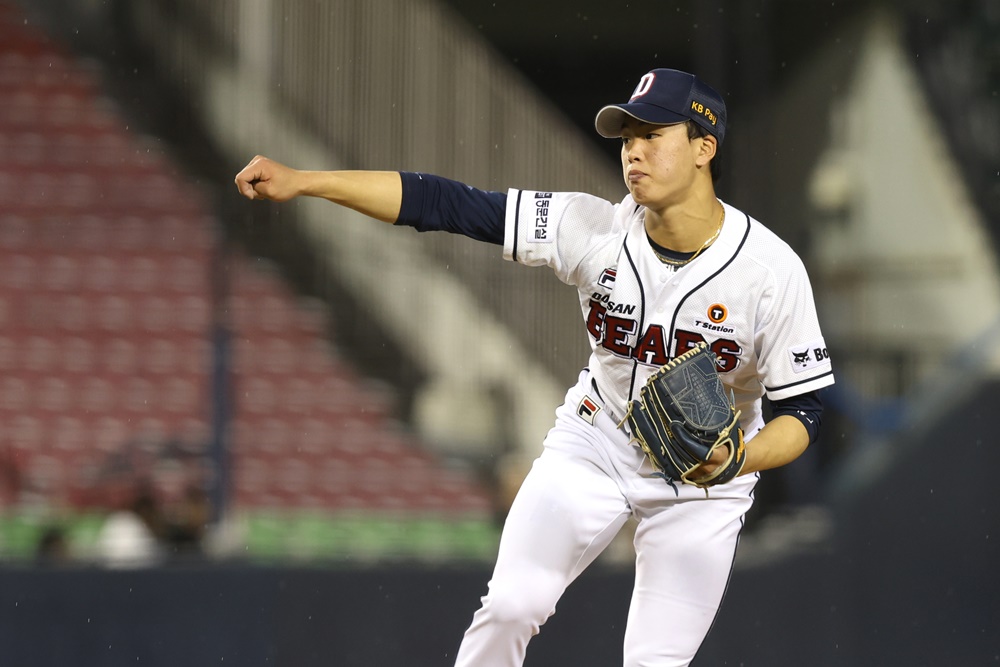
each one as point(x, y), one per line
point(434, 203)
point(807, 408)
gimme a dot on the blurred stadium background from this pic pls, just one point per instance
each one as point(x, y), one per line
point(323, 420)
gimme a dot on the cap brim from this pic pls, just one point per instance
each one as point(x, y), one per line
point(611, 119)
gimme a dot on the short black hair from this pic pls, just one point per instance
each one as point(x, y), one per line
point(696, 131)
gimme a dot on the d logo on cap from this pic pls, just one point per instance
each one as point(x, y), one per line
point(645, 83)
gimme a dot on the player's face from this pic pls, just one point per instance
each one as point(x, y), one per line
point(659, 162)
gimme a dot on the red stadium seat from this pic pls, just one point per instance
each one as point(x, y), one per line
point(61, 273)
point(19, 272)
point(160, 356)
point(69, 434)
point(193, 313)
point(119, 356)
point(268, 436)
point(15, 396)
point(99, 395)
point(78, 355)
point(106, 313)
point(9, 357)
point(184, 274)
point(193, 235)
point(14, 229)
point(40, 354)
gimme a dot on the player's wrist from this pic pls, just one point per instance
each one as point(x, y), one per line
point(314, 184)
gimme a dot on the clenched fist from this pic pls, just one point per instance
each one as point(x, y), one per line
point(264, 178)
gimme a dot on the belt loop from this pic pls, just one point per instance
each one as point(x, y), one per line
point(607, 409)
point(593, 383)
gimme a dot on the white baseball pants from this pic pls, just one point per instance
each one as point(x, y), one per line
point(579, 493)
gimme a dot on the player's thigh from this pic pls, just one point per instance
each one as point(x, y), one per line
point(684, 558)
point(566, 512)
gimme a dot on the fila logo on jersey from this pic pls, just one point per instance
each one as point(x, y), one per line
point(607, 279)
point(540, 232)
point(588, 410)
point(804, 357)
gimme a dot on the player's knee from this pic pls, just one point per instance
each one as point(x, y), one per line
point(513, 605)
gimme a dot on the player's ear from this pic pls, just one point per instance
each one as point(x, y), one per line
point(706, 148)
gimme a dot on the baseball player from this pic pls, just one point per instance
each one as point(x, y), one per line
point(667, 268)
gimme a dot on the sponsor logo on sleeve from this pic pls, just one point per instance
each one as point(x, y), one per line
point(806, 357)
point(541, 231)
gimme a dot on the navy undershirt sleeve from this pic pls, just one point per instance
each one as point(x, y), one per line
point(807, 408)
point(433, 203)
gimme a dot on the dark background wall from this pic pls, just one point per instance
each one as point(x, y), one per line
point(580, 53)
point(583, 55)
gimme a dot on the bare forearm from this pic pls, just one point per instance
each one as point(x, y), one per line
point(377, 194)
point(781, 441)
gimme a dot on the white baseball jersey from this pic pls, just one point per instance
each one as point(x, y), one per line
point(747, 296)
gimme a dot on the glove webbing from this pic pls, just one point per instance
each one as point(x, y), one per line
point(683, 460)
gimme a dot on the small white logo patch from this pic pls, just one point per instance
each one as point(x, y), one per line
point(540, 231)
point(805, 357)
point(588, 409)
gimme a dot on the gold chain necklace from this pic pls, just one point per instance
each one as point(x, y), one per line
point(682, 262)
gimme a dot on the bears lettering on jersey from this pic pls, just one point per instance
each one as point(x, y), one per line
point(609, 325)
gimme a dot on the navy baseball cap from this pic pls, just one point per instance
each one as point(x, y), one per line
point(667, 97)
